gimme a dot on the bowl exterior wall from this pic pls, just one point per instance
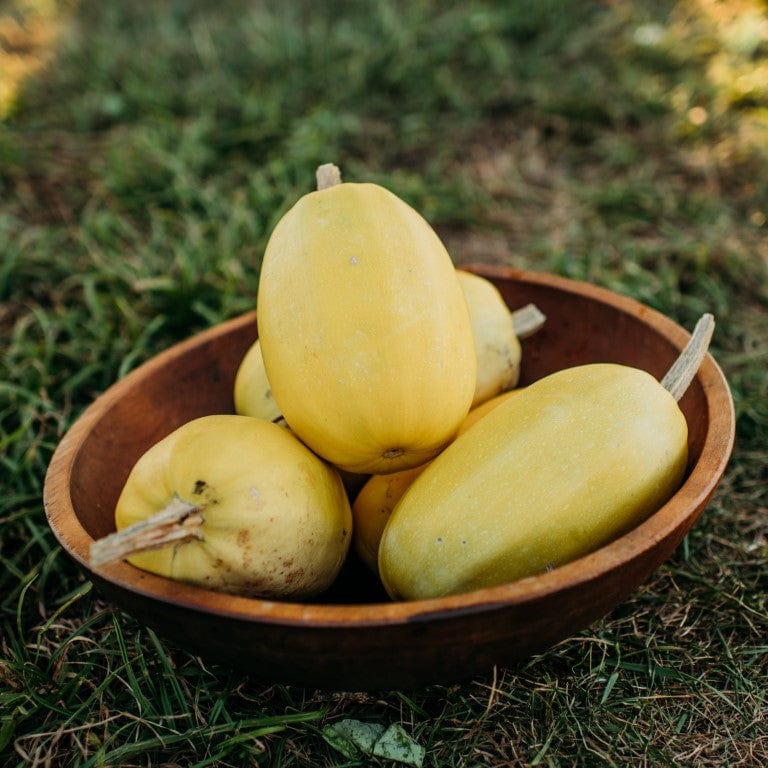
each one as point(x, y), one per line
point(429, 648)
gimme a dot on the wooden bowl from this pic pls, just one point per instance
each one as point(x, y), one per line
point(354, 639)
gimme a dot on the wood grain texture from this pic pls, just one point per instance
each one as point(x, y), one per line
point(354, 638)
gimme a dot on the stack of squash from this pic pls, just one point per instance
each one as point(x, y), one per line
point(378, 406)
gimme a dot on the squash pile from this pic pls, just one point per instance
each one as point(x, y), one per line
point(378, 407)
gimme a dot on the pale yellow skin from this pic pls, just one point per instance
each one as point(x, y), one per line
point(365, 330)
point(557, 471)
point(252, 393)
point(496, 344)
point(277, 521)
point(485, 407)
point(374, 503)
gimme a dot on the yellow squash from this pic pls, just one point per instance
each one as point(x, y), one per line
point(566, 465)
point(252, 393)
point(260, 514)
point(364, 330)
point(496, 343)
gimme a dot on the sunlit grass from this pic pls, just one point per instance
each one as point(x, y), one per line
point(29, 31)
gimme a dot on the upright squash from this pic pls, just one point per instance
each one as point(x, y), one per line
point(364, 329)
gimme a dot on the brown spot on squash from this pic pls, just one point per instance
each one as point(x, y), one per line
point(296, 575)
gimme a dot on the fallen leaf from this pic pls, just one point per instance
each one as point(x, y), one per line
point(396, 744)
point(353, 738)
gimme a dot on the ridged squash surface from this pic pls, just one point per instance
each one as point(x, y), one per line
point(561, 468)
point(364, 330)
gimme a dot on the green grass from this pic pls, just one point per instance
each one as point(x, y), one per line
point(142, 167)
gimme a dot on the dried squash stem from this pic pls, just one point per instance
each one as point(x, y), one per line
point(176, 523)
point(527, 320)
point(680, 375)
point(328, 175)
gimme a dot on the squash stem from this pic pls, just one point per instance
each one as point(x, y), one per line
point(527, 320)
point(328, 175)
point(680, 375)
point(176, 523)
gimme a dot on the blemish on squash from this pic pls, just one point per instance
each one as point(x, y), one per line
point(200, 486)
point(393, 453)
point(298, 574)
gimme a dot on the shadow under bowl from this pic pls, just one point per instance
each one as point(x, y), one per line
point(353, 638)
